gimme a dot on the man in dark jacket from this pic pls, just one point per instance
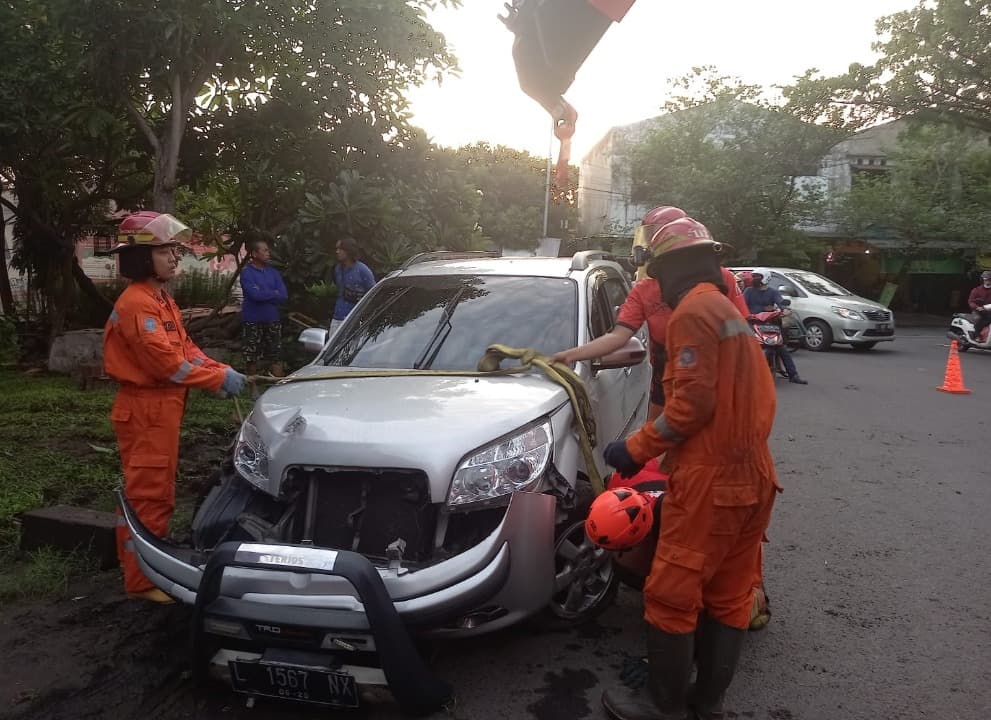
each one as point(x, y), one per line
point(759, 298)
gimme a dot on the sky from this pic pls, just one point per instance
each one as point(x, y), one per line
point(624, 79)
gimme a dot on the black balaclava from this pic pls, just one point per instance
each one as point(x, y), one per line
point(681, 270)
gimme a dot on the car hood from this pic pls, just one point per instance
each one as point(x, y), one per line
point(857, 303)
point(427, 423)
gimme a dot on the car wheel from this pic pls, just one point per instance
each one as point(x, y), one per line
point(864, 346)
point(818, 335)
point(585, 581)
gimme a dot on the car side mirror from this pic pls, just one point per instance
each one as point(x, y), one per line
point(785, 290)
point(630, 355)
point(313, 339)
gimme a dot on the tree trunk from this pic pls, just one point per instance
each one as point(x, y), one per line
point(163, 197)
point(86, 284)
point(6, 293)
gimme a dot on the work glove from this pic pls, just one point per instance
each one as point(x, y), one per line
point(986, 307)
point(617, 455)
point(233, 382)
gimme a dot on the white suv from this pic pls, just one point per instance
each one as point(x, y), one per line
point(446, 504)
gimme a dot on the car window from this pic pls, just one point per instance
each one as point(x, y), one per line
point(817, 284)
point(778, 281)
point(616, 292)
point(601, 315)
point(446, 322)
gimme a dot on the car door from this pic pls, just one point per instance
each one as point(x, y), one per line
point(608, 389)
point(637, 383)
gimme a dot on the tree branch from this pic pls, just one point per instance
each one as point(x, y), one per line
point(142, 124)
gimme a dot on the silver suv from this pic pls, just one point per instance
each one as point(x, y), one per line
point(362, 500)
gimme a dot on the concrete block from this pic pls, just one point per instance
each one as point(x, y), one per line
point(68, 528)
point(74, 349)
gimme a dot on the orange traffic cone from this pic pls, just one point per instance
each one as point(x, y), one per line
point(953, 381)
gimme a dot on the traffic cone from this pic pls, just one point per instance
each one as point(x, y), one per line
point(953, 381)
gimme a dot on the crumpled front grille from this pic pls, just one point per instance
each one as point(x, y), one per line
point(366, 511)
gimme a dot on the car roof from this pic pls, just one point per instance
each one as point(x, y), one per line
point(515, 266)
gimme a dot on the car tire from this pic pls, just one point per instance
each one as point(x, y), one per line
point(818, 336)
point(593, 587)
point(861, 347)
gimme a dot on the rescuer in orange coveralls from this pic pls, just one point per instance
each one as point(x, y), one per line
point(147, 351)
point(718, 414)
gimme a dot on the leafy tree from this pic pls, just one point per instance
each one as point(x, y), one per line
point(184, 61)
point(935, 63)
point(733, 161)
point(61, 161)
point(937, 187)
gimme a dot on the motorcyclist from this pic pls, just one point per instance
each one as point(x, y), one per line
point(980, 304)
point(760, 297)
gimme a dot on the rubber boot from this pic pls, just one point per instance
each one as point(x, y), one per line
point(669, 669)
point(719, 649)
point(154, 595)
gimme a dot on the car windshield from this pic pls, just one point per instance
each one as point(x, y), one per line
point(817, 284)
point(446, 322)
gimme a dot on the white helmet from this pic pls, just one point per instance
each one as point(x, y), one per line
point(764, 273)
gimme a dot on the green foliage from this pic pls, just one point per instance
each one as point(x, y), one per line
point(935, 61)
point(55, 442)
point(200, 287)
point(733, 162)
point(937, 187)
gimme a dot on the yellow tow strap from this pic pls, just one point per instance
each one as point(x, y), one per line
point(489, 366)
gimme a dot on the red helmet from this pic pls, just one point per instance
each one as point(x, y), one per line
point(662, 215)
point(619, 519)
point(149, 228)
point(679, 234)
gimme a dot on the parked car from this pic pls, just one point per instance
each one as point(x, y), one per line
point(831, 313)
point(362, 500)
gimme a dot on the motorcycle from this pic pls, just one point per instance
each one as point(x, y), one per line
point(962, 330)
point(767, 329)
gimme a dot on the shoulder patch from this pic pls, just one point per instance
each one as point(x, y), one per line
point(686, 358)
point(150, 324)
point(170, 326)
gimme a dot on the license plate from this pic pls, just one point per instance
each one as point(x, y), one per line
point(884, 326)
point(770, 329)
point(293, 682)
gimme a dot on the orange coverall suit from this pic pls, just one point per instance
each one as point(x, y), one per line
point(714, 429)
point(145, 349)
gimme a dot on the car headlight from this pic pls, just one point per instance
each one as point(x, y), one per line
point(846, 313)
point(507, 465)
point(251, 455)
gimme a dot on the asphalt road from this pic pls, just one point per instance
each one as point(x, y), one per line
point(879, 565)
point(879, 570)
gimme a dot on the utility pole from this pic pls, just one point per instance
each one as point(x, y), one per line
point(547, 188)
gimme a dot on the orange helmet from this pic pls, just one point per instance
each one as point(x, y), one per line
point(679, 234)
point(619, 519)
point(147, 228)
point(651, 223)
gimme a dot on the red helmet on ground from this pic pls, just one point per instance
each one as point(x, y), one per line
point(679, 234)
point(147, 228)
point(619, 519)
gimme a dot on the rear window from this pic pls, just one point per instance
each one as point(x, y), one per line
point(446, 322)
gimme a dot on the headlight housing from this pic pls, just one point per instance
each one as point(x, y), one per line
point(251, 455)
point(847, 313)
point(513, 463)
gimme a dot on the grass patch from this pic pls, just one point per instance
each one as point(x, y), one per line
point(59, 447)
point(44, 573)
